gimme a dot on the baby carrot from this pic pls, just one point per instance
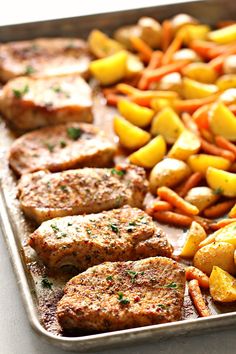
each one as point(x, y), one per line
point(189, 123)
point(219, 209)
point(167, 32)
point(173, 47)
point(221, 223)
point(192, 182)
point(172, 218)
point(225, 144)
point(154, 63)
point(142, 47)
point(207, 241)
point(202, 47)
point(192, 105)
point(195, 273)
point(215, 150)
point(161, 205)
point(197, 298)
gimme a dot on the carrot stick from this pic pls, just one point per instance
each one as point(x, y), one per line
point(195, 273)
point(215, 150)
point(200, 117)
point(218, 62)
point(197, 298)
point(173, 198)
point(192, 182)
point(225, 144)
point(221, 223)
point(113, 99)
point(142, 47)
point(220, 49)
point(205, 223)
point(154, 63)
point(192, 105)
point(202, 47)
point(144, 98)
point(161, 205)
point(207, 135)
point(189, 123)
point(127, 89)
point(207, 241)
point(171, 218)
point(173, 47)
point(219, 209)
point(167, 32)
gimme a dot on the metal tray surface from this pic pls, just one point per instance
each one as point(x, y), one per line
point(15, 228)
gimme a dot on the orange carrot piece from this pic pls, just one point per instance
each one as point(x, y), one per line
point(225, 144)
point(155, 60)
point(220, 49)
point(219, 209)
point(142, 47)
point(195, 273)
point(161, 205)
point(207, 241)
point(173, 47)
point(218, 62)
point(173, 198)
point(222, 24)
point(113, 99)
point(202, 47)
point(233, 168)
point(167, 33)
point(205, 223)
point(127, 89)
point(197, 298)
point(189, 123)
point(172, 218)
point(207, 135)
point(144, 98)
point(215, 150)
point(192, 182)
point(200, 117)
point(221, 223)
point(192, 105)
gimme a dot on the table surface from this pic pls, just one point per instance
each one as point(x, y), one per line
point(16, 335)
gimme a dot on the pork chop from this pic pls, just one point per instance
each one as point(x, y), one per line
point(43, 57)
point(45, 195)
point(120, 295)
point(61, 147)
point(83, 241)
point(28, 103)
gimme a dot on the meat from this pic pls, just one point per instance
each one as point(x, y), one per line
point(45, 195)
point(43, 57)
point(61, 147)
point(83, 241)
point(120, 295)
point(29, 104)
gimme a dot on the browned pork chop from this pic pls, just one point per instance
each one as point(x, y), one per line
point(45, 195)
point(43, 57)
point(83, 241)
point(113, 296)
point(29, 103)
point(61, 147)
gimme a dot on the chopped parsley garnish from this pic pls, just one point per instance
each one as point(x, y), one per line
point(63, 234)
point(50, 146)
point(161, 306)
point(121, 299)
point(69, 224)
point(114, 228)
point(172, 285)
point(89, 232)
point(74, 133)
point(64, 188)
point(114, 171)
point(109, 278)
point(46, 283)
point(29, 70)
point(19, 93)
point(130, 228)
point(132, 275)
point(58, 89)
point(218, 191)
point(55, 228)
point(62, 144)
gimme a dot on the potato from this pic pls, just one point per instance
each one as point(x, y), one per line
point(201, 72)
point(111, 69)
point(150, 31)
point(158, 104)
point(232, 213)
point(195, 235)
point(229, 66)
point(222, 285)
point(195, 89)
point(223, 35)
point(191, 32)
point(137, 115)
point(222, 121)
point(228, 96)
point(150, 154)
point(123, 35)
point(186, 145)
point(180, 20)
point(222, 181)
point(172, 82)
point(133, 65)
point(186, 53)
point(219, 254)
point(226, 82)
point(168, 124)
point(168, 172)
point(101, 45)
point(201, 162)
point(131, 137)
point(201, 197)
point(227, 234)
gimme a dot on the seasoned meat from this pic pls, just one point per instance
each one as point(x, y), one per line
point(61, 147)
point(29, 103)
point(43, 57)
point(83, 241)
point(45, 195)
point(119, 295)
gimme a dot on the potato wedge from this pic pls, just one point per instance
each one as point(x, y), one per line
point(228, 96)
point(137, 115)
point(195, 89)
point(111, 69)
point(227, 234)
point(201, 197)
point(157, 104)
point(186, 53)
point(168, 124)
point(101, 45)
point(201, 162)
point(232, 213)
point(200, 72)
point(168, 172)
point(181, 20)
point(123, 35)
point(223, 35)
point(189, 32)
point(229, 66)
point(131, 137)
point(150, 31)
point(219, 254)
point(186, 145)
point(226, 82)
point(172, 82)
point(222, 121)
point(221, 180)
point(222, 285)
point(150, 154)
point(133, 65)
point(195, 235)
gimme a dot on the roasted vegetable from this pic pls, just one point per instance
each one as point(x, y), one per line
point(101, 45)
point(137, 115)
point(150, 31)
point(222, 181)
point(195, 89)
point(229, 66)
point(195, 235)
point(123, 35)
point(200, 72)
point(227, 234)
point(222, 121)
point(222, 285)
point(201, 162)
point(186, 145)
point(201, 197)
point(223, 35)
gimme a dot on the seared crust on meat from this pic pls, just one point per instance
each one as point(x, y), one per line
point(43, 57)
point(56, 149)
point(83, 241)
point(45, 195)
point(114, 296)
point(29, 104)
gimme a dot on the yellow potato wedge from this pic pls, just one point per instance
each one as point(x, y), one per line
point(223, 35)
point(137, 115)
point(150, 31)
point(201, 162)
point(226, 82)
point(150, 154)
point(168, 172)
point(133, 65)
point(168, 124)
point(157, 104)
point(171, 82)
point(222, 121)
point(189, 32)
point(219, 254)
point(101, 45)
point(186, 53)
point(131, 137)
point(221, 180)
point(195, 235)
point(222, 285)
point(232, 213)
point(228, 96)
point(201, 197)
point(111, 69)
point(227, 234)
point(123, 35)
point(186, 145)
point(200, 72)
point(195, 89)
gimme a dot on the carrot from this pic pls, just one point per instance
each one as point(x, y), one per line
point(197, 298)
point(220, 49)
point(192, 182)
point(192, 105)
point(205, 223)
point(219, 209)
point(127, 89)
point(174, 199)
point(218, 62)
point(200, 117)
point(161, 205)
point(167, 33)
point(202, 47)
point(221, 223)
point(189, 123)
point(144, 98)
point(169, 217)
point(195, 273)
point(222, 24)
point(173, 47)
point(207, 241)
point(154, 63)
point(113, 99)
point(207, 135)
point(215, 150)
point(225, 144)
point(142, 47)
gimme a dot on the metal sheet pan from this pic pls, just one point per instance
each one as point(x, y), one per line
point(13, 226)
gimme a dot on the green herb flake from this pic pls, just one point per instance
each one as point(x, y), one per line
point(132, 275)
point(161, 306)
point(121, 299)
point(20, 93)
point(109, 278)
point(62, 144)
point(64, 188)
point(74, 133)
point(114, 171)
point(69, 224)
point(172, 285)
point(58, 89)
point(218, 191)
point(114, 228)
point(46, 283)
point(55, 228)
point(50, 146)
point(29, 70)
point(89, 232)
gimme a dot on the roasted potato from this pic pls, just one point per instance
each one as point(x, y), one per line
point(223, 35)
point(228, 96)
point(181, 20)
point(222, 121)
point(101, 45)
point(133, 66)
point(172, 82)
point(186, 145)
point(195, 89)
point(188, 54)
point(229, 66)
point(150, 31)
point(200, 72)
point(195, 235)
point(226, 82)
point(137, 115)
point(190, 32)
point(201, 162)
point(222, 285)
point(222, 181)
point(227, 234)
point(123, 35)
point(201, 197)
point(232, 213)
point(158, 104)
